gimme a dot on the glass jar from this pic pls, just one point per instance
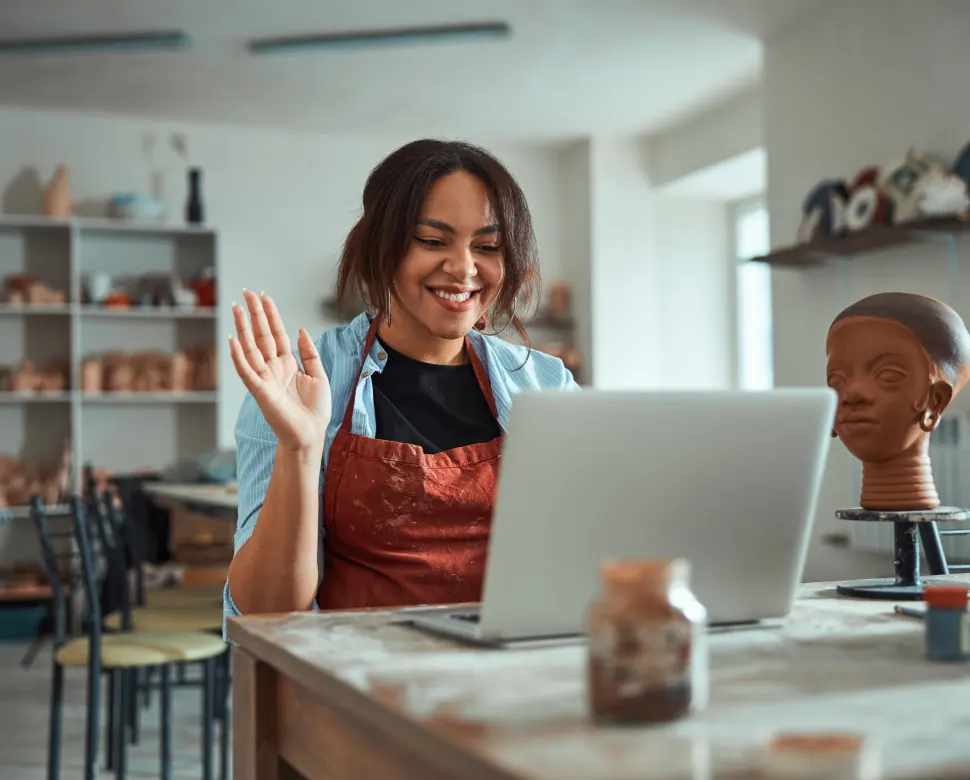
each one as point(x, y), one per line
point(647, 658)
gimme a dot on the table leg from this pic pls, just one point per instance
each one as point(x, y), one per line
point(255, 750)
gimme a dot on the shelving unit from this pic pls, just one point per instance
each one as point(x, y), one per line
point(126, 431)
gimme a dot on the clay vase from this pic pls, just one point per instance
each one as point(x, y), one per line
point(57, 195)
point(896, 361)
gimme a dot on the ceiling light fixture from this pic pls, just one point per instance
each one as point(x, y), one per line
point(402, 35)
point(131, 41)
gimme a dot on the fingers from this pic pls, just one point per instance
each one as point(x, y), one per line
point(276, 327)
point(244, 333)
point(246, 372)
point(309, 356)
point(262, 335)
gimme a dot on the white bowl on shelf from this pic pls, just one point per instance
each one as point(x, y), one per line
point(136, 206)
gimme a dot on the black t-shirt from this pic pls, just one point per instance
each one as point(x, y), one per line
point(435, 407)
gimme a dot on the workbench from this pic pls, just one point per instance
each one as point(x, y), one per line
point(363, 695)
point(207, 499)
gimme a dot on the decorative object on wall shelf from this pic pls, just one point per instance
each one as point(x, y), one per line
point(27, 289)
point(149, 291)
point(57, 195)
point(194, 207)
point(137, 206)
point(25, 378)
point(20, 478)
point(905, 193)
point(150, 372)
point(867, 205)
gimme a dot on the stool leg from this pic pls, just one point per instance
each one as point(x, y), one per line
point(131, 704)
point(208, 715)
point(225, 728)
point(119, 678)
point(94, 714)
point(110, 727)
point(147, 690)
point(56, 720)
point(929, 535)
point(165, 747)
point(906, 562)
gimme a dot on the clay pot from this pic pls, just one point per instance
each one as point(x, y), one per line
point(57, 195)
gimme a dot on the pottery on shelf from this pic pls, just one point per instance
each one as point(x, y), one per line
point(57, 195)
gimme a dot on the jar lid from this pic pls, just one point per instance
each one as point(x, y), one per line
point(946, 595)
point(821, 756)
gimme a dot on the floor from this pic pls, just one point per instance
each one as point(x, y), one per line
point(23, 724)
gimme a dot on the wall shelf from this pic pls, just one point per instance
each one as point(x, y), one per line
point(863, 241)
point(36, 398)
point(131, 431)
point(150, 398)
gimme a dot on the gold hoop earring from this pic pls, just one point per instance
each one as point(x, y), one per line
point(927, 421)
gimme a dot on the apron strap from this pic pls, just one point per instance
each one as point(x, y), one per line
point(480, 374)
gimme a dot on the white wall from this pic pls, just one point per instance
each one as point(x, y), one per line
point(728, 130)
point(623, 288)
point(695, 270)
point(661, 292)
point(856, 86)
point(575, 214)
point(282, 202)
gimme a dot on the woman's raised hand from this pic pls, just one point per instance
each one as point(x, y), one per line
point(296, 403)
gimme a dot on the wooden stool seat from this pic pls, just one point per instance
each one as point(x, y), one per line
point(137, 649)
point(207, 618)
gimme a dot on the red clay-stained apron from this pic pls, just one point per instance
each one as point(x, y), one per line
point(404, 527)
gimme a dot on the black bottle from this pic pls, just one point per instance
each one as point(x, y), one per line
point(194, 211)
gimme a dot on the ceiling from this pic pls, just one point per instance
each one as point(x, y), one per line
point(571, 67)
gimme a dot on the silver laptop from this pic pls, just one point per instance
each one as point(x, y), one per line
point(726, 479)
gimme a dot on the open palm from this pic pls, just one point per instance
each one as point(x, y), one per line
point(295, 402)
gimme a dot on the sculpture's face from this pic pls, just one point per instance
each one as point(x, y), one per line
point(886, 384)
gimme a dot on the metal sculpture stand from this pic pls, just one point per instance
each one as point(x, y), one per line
point(908, 529)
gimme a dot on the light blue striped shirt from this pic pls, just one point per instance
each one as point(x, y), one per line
point(341, 352)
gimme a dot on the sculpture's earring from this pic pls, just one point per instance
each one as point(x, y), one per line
point(927, 421)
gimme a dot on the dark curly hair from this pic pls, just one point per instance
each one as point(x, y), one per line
point(393, 196)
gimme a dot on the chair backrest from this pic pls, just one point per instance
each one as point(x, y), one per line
point(89, 574)
point(113, 590)
point(52, 565)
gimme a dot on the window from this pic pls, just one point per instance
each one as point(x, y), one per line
point(751, 239)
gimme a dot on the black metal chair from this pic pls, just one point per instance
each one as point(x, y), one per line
point(119, 654)
point(121, 610)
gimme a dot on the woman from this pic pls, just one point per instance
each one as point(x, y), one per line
point(382, 453)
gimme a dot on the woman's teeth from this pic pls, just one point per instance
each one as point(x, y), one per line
point(456, 297)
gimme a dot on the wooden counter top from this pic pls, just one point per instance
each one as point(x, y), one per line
point(359, 695)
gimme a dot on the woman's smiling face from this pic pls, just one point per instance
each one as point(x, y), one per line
point(453, 269)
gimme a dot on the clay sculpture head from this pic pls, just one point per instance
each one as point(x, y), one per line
point(896, 360)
